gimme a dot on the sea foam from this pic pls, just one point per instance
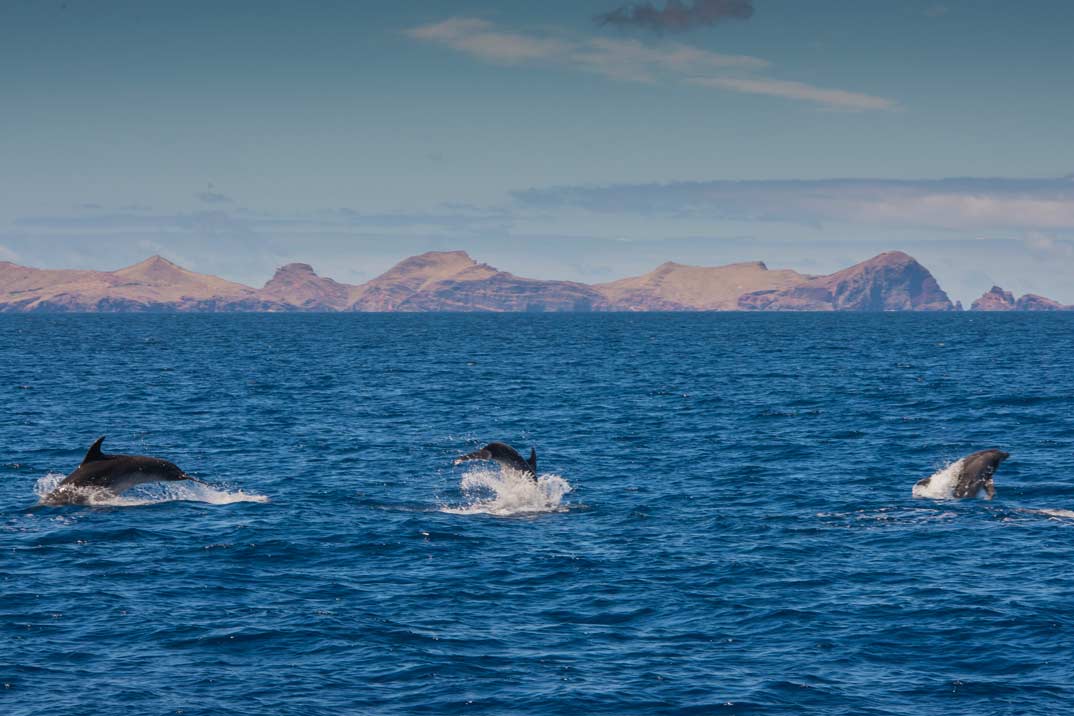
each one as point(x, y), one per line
point(941, 485)
point(504, 493)
point(1062, 514)
point(152, 493)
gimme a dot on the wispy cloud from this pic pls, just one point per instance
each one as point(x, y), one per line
point(482, 40)
point(833, 98)
point(444, 219)
point(956, 204)
point(631, 60)
point(625, 59)
point(677, 15)
point(937, 10)
point(615, 58)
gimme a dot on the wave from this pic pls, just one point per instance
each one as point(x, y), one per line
point(150, 494)
point(1063, 514)
point(507, 493)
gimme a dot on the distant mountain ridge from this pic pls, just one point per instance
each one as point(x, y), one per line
point(155, 284)
point(996, 299)
point(892, 281)
point(298, 287)
point(453, 281)
point(677, 287)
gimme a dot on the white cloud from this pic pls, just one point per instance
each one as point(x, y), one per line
point(626, 59)
point(482, 40)
point(631, 60)
point(833, 98)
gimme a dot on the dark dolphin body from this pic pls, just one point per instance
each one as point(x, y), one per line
point(110, 475)
point(506, 456)
point(977, 472)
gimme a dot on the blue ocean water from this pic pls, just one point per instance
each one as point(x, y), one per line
point(723, 525)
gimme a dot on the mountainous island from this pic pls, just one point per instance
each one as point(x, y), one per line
point(453, 281)
point(996, 299)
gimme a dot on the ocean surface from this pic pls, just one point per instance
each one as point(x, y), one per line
point(723, 522)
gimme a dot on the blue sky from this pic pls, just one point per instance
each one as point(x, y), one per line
point(236, 136)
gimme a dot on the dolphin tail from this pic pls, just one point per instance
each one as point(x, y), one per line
point(533, 461)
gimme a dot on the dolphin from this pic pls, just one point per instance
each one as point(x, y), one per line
point(964, 478)
point(505, 455)
point(111, 475)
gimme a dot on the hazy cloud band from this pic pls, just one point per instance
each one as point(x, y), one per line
point(958, 204)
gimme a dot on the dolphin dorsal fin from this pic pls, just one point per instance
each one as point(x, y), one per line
point(94, 453)
point(533, 460)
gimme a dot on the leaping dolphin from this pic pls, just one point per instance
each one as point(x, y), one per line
point(111, 475)
point(505, 455)
point(964, 478)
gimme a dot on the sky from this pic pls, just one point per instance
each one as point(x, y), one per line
point(577, 139)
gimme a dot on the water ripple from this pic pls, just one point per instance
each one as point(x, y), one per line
point(723, 523)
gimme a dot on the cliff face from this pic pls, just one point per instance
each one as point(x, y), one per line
point(298, 287)
point(452, 281)
point(675, 287)
point(892, 281)
point(1033, 302)
point(996, 299)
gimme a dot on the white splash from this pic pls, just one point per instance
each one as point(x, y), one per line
point(1064, 514)
point(506, 493)
point(151, 494)
point(941, 486)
